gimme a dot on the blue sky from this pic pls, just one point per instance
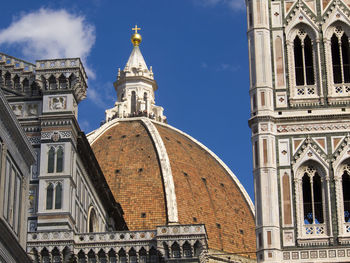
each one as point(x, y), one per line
point(198, 50)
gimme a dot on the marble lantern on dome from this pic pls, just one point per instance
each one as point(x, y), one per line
point(135, 88)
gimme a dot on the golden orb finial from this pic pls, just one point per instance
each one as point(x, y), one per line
point(136, 37)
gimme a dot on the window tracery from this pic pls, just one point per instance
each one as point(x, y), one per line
point(312, 201)
point(340, 56)
point(303, 66)
point(54, 192)
point(55, 159)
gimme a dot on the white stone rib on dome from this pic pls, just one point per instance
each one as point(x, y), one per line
point(170, 188)
point(227, 169)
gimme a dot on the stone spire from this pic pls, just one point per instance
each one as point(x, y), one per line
point(135, 88)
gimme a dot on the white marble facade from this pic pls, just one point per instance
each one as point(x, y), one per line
point(299, 78)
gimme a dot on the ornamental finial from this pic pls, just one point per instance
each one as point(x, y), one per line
point(136, 37)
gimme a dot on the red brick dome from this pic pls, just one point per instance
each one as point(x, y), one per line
point(159, 174)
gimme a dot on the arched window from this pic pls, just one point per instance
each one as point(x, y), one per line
point(143, 255)
point(340, 56)
point(145, 100)
point(187, 250)
point(122, 256)
point(132, 256)
point(62, 82)
point(58, 196)
point(8, 82)
point(312, 197)
point(16, 82)
point(52, 83)
point(49, 196)
point(153, 255)
point(92, 224)
point(59, 160)
point(303, 59)
point(197, 249)
point(346, 194)
point(55, 160)
point(25, 84)
point(51, 160)
point(175, 248)
point(133, 102)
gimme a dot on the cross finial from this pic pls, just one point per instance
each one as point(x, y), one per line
point(136, 28)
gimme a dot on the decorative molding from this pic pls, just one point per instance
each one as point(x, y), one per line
point(318, 127)
point(166, 171)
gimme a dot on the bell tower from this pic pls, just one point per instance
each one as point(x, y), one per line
point(300, 122)
point(135, 86)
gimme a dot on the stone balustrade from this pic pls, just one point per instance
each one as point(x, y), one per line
point(164, 243)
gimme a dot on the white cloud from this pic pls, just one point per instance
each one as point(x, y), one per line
point(228, 67)
point(102, 95)
point(233, 4)
point(47, 33)
point(84, 125)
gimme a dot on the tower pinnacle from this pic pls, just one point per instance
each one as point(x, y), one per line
point(136, 37)
point(135, 86)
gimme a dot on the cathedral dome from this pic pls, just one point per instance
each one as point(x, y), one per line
point(160, 175)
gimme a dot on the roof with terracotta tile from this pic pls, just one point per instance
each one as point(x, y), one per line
point(159, 174)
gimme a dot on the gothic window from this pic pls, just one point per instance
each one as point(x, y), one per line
point(26, 87)
point(55, 159)
point(8, 82)
point(49, 196)
point(112, 256)
point(16, 82)
point(62, 82)
point(303, 59)
point(145, 100)
point(346, 194)
point(58, 196)
point(143, 255)
point(153, 255)
point(187, 250)
point(59, 162)
point(340, 56)
point(197, 249)
point(51, 160)
point(133, 102)
point(122, 256)
point(132, 256)
point(312, 197)
point(93, 224)
point(54, 196)
point(175, 248)
point(52, 83)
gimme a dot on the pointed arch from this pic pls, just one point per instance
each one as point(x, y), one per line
point(52, 82)
point(59, 159)
point(175, 250)
point(197, 248)
point(8, 81)
point(49, 196)
point(303, 62)
point(58, 196)
point(133, 102)
point(122, 256)
point(16, 82)
point(132, 256)
point(187, 250)
point(112, 255)
point(312, 200)
point(92, 220)
point(51, 160)
point(62, 82)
